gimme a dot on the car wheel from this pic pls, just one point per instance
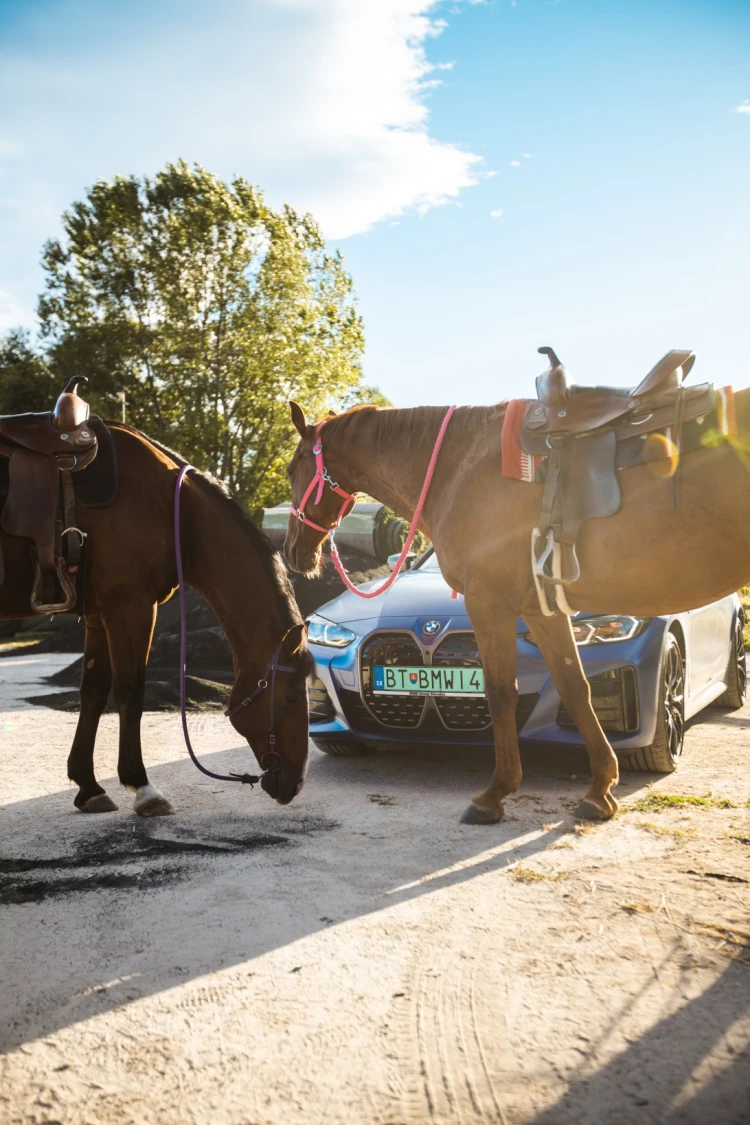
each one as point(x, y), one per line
point(664, 752)
point(342, 749)
point(734, 697)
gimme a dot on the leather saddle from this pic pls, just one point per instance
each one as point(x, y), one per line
point(43, 450)
point(578, 430)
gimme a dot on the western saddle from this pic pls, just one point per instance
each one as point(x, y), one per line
point(43, 450)
point(577, 430)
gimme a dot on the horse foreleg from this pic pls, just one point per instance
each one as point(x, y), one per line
point(129, 630)
point(554, 636)
point(96, 680)
point(496, 637)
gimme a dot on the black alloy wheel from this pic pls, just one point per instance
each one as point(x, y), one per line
point(664, 752)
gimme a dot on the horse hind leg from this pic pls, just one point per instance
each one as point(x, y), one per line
point(554, 636)
point(96, 680)
point(129, 631)
point(495, 631)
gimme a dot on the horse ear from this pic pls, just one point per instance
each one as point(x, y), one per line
point(332, 414)
point(298, 418)
point(294, 640)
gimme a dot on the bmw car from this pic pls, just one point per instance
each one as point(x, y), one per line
point(405, 668)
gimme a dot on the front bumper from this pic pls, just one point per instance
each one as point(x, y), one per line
point(624, 678)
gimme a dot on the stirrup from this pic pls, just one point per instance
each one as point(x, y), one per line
point(550, 549)
point(66, 583)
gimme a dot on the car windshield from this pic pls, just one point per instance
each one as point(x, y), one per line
point(429, 562)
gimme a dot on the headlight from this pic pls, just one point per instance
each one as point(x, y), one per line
point(604, 630)
point(322, 632)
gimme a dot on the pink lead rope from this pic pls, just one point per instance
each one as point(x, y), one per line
point(412, 530)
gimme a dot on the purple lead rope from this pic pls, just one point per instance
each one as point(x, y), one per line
point(245, 778)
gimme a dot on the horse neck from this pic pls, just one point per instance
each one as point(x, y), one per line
point(224, 565)
point(385, 453)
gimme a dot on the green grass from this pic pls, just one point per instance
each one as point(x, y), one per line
point(658, 802)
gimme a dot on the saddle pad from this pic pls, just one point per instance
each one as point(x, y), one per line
point(517, 464)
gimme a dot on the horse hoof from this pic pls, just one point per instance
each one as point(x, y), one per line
point(475, 814)
point(587, 810)
point(102, 802)
point(150, 801)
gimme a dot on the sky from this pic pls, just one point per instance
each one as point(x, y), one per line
point(498, 174)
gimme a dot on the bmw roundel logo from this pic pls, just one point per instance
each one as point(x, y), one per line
point(431, 627)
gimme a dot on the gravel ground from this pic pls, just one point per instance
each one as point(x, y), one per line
point(361, 956)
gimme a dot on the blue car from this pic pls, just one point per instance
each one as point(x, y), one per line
point(406, 668)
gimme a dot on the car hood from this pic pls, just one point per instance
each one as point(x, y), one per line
point(416, 594)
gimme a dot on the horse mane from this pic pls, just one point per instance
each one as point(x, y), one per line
point(379, 420)
point(220, 492)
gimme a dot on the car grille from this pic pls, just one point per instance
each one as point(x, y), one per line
point(458, 713)
point(461, 712)
point(395, 650)
point(614, 697)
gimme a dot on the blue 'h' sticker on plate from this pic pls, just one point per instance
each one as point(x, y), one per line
point(379, 682)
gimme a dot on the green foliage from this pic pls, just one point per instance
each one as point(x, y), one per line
point(210, 310)
point(26, 383)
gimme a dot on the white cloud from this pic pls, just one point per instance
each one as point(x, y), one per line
point(496, 214)
point(527, 155)
point(515, 163)
point(12, 313)
point(744, 108)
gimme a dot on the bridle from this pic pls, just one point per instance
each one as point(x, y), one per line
point(320, 479)
point(267, 679)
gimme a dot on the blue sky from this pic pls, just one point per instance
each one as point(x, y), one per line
point(498, 175)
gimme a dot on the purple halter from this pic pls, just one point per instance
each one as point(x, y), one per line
point(269, 676)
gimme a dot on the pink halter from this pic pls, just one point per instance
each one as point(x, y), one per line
point(320, 479)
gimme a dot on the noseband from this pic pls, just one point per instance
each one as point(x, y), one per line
point(268, 677)
point(321, 478)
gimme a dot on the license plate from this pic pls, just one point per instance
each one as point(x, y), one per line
point(427, 681)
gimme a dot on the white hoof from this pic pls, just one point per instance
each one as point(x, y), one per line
point(150, 801)
point(102, 802)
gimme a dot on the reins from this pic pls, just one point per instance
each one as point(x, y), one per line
point(268, 678)
point(322, 477)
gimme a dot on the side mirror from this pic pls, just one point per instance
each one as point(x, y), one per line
point(408, 561)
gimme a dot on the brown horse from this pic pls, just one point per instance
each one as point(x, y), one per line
point(646, 560)
point(130, 569)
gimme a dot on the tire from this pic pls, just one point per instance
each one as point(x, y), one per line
point(342, 749)
point(664, 752)
point(734, 697)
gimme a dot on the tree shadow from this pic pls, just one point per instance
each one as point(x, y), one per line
point(103, 910)
point(649, 1082)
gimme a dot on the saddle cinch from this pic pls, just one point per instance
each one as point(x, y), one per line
point(579, 431)
point(43, 452)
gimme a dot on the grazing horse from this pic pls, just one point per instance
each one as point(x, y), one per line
point(130, 569)
point(649, 558)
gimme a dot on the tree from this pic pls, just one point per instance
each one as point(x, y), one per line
point(26, 382)
point(210, 310)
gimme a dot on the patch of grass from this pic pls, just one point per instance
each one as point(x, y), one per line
point(530, 875)
point(565, 843)
point(735, 943)
point(632, 906)
point(381, 799)
point(658, 802)
point(678, 834)
point(26, 642)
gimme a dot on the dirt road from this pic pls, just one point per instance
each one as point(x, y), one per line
point(361, 957)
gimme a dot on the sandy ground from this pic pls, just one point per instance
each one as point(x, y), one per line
point(361, 957)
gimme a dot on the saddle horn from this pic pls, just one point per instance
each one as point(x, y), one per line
point(70, 388)
point(552, 355)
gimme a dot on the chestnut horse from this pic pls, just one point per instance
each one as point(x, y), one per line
point(130, 569)
point(648, 559)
